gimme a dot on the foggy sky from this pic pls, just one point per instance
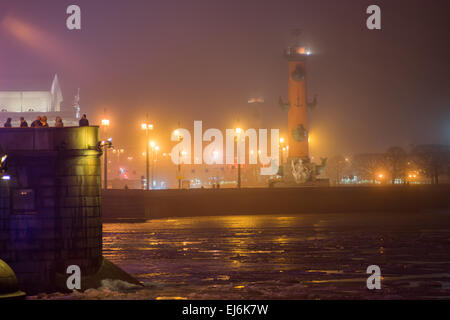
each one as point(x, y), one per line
point(201, 60)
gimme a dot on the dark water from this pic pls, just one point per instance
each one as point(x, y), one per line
point(310, 256)
point(306, 256)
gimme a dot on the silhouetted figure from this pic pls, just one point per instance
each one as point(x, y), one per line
point(44, 122)
point(84, 122)
point(23, 123)
point(59, 123)
point(8, 123)
point(37, 123)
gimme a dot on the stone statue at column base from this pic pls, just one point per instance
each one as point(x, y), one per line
point(302, 172)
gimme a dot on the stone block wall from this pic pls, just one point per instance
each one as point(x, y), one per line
point(50, 209)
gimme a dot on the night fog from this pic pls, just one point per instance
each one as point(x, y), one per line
point(203, 60)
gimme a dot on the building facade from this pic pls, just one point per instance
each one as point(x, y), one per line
point(30, 103)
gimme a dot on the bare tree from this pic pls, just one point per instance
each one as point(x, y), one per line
point(368, 166)
point(432, 159)
point(396, 159)
point(335, 168)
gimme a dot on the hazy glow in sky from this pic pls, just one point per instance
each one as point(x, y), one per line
point(42, 43)
point(181, 61)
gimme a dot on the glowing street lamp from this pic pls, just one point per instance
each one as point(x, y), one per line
point(413, 175)
point(380, 177)
point(147, 127)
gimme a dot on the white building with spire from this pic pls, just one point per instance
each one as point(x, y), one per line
point(29, 104)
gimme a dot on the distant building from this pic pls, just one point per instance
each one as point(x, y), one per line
point(29, 103)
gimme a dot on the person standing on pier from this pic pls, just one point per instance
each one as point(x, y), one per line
point(23, 123)
point(59, 123)
point(84, 122)
point(37, 123)
point(44, 122)
point(8, 123)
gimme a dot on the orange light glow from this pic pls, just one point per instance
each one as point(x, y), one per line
point(43, 43)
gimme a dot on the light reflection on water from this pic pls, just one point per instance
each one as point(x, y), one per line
point(285, 257)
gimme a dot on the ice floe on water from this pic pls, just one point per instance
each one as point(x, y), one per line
point(263, 257)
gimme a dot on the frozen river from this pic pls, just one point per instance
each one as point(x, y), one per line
point(285, 257)
point(309, 256)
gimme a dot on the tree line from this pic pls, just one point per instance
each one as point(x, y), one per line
point(428, 163)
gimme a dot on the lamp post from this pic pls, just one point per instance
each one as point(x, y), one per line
point(152, 145)
point(105, 125)
point(177, 133)
point(238, 131)
point(154, 148)
point(147, 127)
point(282, 150)
point(154, 163)
point(105, 144)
